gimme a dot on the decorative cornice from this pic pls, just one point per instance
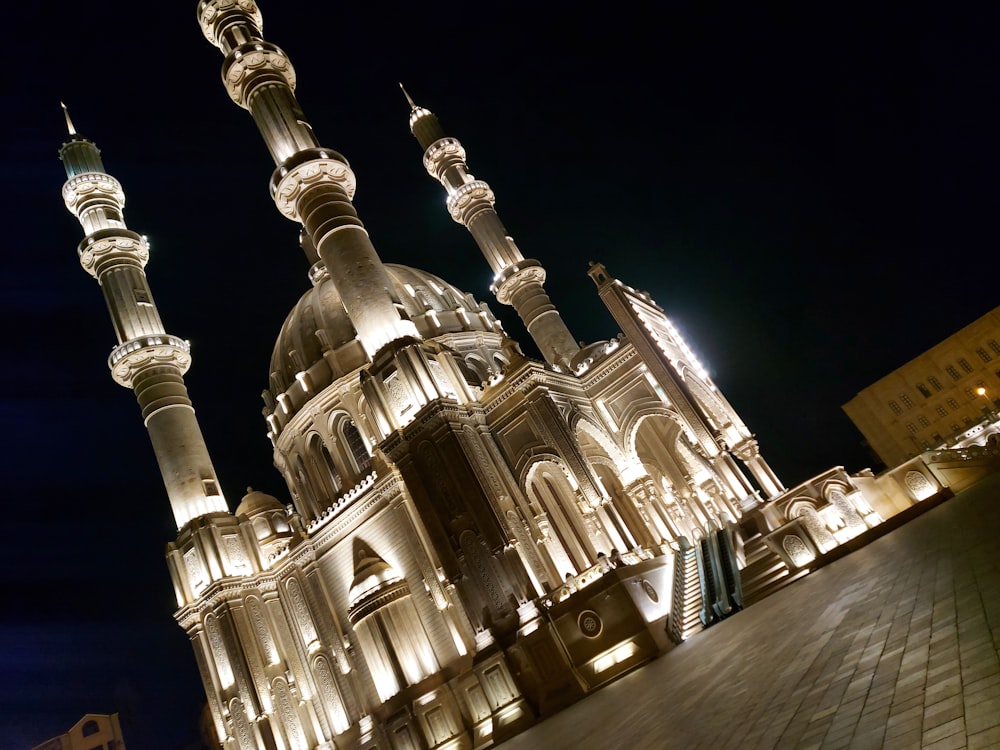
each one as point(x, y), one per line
point(517, 276)
point(209, 11)
point(89, 185)
point(466, 196)
point(159, 349)
point(292, 184)
point(253, 64)
point(439, 151)
point(99, 253)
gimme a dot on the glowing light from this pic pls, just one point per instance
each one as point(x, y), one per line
point(620, 654)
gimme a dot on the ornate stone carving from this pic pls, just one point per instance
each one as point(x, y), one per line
point(918, 485)
point(162, 349)
point(747, 450)
point(241, 726)
point(301, 610)
point(222, 665)
point(123, 248)
point(212, 9)
point(262, 631)
point(87, 184)
point(237, 556)
point(816, 528)
point(438, 152)
point(313, 172)
point(516, 277)
point(330, 694)
point(197, 577)
point(262, 61)
point(289, 715)
point(466, 195)
point(847, 511)
point(481, 565)
point(797, 550)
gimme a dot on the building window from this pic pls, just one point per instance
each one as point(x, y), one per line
point(964, 364)
point(356, 445)
point(942, 412)
point(895, 407)
point(950, 369)
point(924, 422)
point(935, 383)
point(956, 428)
point(907, 401)
point(952, 404)
point(995, 346)
point(911, 427)
point(983, 354)
point(90, 728)
point(924, 390)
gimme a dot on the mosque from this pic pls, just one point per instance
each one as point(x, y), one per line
point(474, 539)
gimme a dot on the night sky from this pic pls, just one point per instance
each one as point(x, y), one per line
point(809, 194)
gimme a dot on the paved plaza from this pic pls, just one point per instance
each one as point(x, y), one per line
point(893, 646)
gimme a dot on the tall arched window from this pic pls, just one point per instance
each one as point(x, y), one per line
point(356, 445)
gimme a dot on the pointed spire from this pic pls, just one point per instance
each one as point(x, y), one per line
point(69, 122)
point(408, 97)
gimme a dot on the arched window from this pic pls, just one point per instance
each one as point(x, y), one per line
point(90, 728)
point(324, 468)
point(356, 445)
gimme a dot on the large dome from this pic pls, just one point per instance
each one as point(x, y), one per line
point(319, 322)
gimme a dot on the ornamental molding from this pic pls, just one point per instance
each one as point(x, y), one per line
point(162, 349)
point(97, 253)
point(300, 178)
point(747, 450)
point(248, 63)
point(518, 278)
point(608, 366)
point(210, 10)
point(465, 196)
point(89, 185)
point(439, 151)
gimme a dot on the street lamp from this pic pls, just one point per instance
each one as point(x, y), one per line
point(981, 391)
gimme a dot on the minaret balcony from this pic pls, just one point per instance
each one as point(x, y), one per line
point(157, 349)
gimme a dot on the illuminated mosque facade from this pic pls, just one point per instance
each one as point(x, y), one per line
point(475, 538)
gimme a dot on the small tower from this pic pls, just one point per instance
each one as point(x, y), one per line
point(517, 281)
point(147, 359)
point(312, 185)
point(716, 427)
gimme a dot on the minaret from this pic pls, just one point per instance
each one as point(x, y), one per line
point(147, 359)
point(516, 281)
point(312, 185)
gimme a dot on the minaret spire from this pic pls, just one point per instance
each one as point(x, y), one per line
point(69, 122)
point(311, 184)
point(409, 99)
point(147, 359)
point(517, 281)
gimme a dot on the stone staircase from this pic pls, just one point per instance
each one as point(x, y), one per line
point(764, 572)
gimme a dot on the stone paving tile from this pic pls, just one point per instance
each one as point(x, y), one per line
point(988, 739)
point(893, 646)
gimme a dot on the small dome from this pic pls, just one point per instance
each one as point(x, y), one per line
point(255, 502)
point(319, 321)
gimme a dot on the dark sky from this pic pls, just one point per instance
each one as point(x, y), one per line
point(809, 194)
